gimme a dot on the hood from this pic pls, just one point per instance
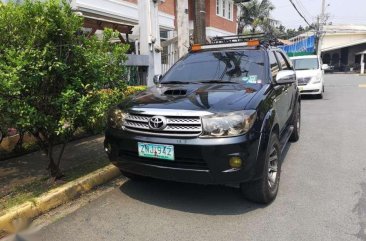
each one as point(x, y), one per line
point(206, 97)
point(307, 73)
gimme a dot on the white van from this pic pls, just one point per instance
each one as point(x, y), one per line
point(310, 74)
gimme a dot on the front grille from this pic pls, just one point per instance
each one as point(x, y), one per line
point(303, 81)
point(176, 125)
point(309, 91)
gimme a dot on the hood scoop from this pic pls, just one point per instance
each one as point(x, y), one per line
point(175, 92)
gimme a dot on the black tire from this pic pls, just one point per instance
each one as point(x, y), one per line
point(133, 177)
point(296, 123)
point(320, 96)
point(265, 190)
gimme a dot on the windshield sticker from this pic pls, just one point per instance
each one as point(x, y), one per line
point(245, 79)
point(252, 79)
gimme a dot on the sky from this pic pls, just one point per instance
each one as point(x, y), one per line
point(341, 11)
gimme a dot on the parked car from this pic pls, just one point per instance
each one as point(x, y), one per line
point(310, 74)
point(221, 115)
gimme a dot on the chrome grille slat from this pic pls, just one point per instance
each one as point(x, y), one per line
point(184, 121)
point(140, 118)
point(187, 126)
point(136, 125)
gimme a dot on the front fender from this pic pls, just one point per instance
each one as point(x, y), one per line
point(268, 126)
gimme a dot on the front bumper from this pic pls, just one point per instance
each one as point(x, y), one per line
point(197, 160)
point(311, 89)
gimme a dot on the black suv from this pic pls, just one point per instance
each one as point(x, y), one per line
point(221, 115)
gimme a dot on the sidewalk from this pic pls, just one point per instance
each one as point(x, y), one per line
point(21, 170)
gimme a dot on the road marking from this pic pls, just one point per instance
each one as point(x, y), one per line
point(362, 86)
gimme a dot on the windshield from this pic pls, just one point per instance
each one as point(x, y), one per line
point(238, 66)
point(305, 64)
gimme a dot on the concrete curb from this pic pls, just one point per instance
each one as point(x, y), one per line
point(13, 220)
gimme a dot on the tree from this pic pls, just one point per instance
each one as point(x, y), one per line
point(256, 15)
point(52, 77)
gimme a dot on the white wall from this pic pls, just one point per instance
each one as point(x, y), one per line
point(121, 10)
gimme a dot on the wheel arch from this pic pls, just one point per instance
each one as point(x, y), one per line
point(269, 125)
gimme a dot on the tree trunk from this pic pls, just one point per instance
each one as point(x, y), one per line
point(240, 28)
point(54, 167)
point(47, 145)
point(18, 146)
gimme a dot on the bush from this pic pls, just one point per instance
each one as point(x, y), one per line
point(50, 72)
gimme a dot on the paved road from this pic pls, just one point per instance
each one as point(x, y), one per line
point(322, 194)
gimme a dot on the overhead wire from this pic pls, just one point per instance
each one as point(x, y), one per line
point(298, 11)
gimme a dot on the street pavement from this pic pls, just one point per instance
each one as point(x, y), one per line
point(322, 193)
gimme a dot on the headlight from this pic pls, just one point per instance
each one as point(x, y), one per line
point(116, 118)
point(315, 80)
point(228, 124)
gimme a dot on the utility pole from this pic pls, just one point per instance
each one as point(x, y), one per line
point(321, 22)
point(182, 27)
point(323, 13)
point(199, 36)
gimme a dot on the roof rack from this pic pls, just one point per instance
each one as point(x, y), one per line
point(264, 38)
point(237, 38)
point(249, 40)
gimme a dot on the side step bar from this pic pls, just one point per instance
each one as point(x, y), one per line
point(285, 137)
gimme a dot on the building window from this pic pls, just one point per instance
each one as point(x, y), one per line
point(224, 8)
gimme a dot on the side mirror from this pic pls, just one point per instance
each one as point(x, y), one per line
point(157, 79)
point(325, 67)
point(286, 77)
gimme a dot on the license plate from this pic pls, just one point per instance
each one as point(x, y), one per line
point(159, 151)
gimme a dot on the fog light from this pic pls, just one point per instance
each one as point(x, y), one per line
point(235, 162)
point(108, 148)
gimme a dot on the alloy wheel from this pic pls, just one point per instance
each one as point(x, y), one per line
point(273, 168)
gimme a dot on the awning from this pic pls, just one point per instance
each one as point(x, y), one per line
point(362, 41)
point(99, 23)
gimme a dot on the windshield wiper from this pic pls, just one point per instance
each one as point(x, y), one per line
point(218, 82)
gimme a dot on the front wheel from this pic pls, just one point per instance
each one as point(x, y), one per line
point(265, 189)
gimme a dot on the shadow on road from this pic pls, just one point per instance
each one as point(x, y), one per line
point(193, 198)
point(312, 97)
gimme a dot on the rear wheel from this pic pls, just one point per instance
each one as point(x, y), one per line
point(265, 190)
point(133, 177)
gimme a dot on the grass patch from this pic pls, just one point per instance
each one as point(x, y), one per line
point(37, 187)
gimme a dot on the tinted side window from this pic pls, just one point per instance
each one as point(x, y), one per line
point(283, 61)
point(274, 65)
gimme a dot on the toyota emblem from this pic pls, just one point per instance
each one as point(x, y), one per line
point(157, 122)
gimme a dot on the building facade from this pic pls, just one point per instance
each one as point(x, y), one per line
point(344, 46)
point(221, 15)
